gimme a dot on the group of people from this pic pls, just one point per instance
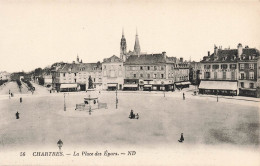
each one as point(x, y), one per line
point(133, 116)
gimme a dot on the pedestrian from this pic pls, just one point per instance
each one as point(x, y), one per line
point(137, 116)
point(183, 96)
point(21, 100)
point(17, 115)
point(131, 114)
point(182, 138)
point(60, 143)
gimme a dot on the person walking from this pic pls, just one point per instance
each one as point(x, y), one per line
point(182, 138)
point(21, 100)
point(183, 96)
point(60, 143)
point(17, 115)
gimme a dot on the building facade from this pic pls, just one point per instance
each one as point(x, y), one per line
point(77, 76)
point(230, 71)
point(112, 73)
point(154, 72)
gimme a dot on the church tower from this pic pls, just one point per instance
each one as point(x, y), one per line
point(123, 46)
point(137, 49)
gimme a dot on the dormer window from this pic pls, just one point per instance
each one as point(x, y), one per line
point(244, 57)
point(224, 58)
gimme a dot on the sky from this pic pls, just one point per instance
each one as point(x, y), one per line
point(39, 33)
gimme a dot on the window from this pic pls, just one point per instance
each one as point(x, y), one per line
point(64, 74)
point(215, 66)
point(232, 66)
point(207, 75)
point(94, 79)
point(148, 67)
point(251, 75)
point(224, 66)
point(141, 67)
point(75, 80)
point(232, 75)
point(162, 68)
point(207, 66)
point(251, 85)
point(75, 74)
point(141, 75)
point(104, 66)
point(242, 76)
point(134, 75)
point(154, 75)
point(224, 75)
point(242, 66)
point(215, 75)
point(251, 66)
point(148, 75)
point(242, 84)
point(162, 75)
point(155, 67)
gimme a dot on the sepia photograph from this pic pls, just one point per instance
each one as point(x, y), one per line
point(149, 82)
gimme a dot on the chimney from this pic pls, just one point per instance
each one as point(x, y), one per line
point(215, 50)
point(208, 53)
point(73, 62)
point(239, 50)
point(164, 54)
point(181, 60)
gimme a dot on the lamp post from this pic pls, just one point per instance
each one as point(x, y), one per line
point(163, 89)
point(64, 103)
point(116, 98)
point(89, 106)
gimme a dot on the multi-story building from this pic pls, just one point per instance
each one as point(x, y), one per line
point(5, 75)
point(195, 71)
point(230, 71)
point(112, 73)
point(247, 70)
point(77, 76)
point(153, 72)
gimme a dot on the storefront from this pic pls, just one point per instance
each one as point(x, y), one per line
point(147, 87)
point(226, 88)
point(131, 87)
point(68, 87)
point(181, 85)
point(111, 86)
point(247, 92)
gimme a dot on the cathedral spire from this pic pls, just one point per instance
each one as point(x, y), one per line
point(123, 46)
point(137, 49)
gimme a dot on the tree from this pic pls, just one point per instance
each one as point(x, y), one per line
point(90, 83)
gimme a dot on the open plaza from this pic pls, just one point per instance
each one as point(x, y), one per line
point(207, 121)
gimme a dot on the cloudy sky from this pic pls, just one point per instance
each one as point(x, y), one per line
point(37, 34)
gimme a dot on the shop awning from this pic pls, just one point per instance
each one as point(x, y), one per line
point(183, 83)
point(68, 86)
point(130, 85)
point(112, 85)
point(218, 85)
point(147, 86)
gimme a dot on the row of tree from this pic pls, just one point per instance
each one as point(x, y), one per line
point(29, 84)
point(2, 82)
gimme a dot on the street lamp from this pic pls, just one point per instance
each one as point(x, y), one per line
point(116, 98)
point(89, 106)
point(163, 88)
point(64, 103)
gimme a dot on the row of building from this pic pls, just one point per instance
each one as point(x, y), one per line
point(224, 72)
point(133, 70)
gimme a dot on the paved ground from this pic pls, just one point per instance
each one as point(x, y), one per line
point(228, 123)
